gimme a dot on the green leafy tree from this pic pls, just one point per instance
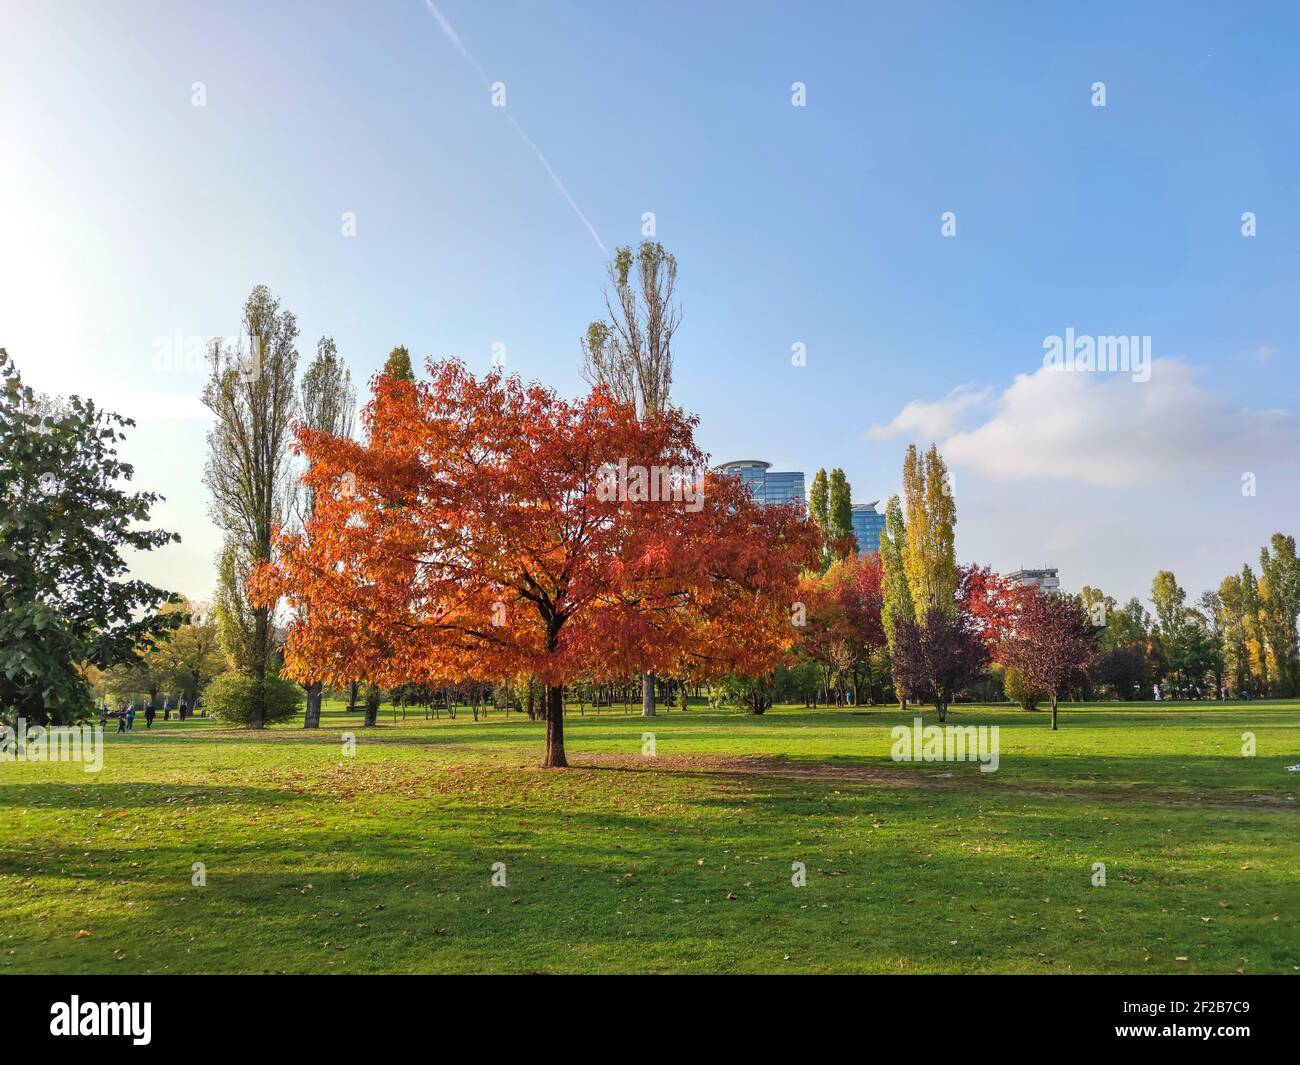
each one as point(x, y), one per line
point(896, 600)
point(190, 656)
point(840, 513)
point(1242, 646)
point(372, 705)
point(1279, 602)
point(235, 697)
point(1195, 660)
point(1018, 689)
point(1170, 602)
point(398, 364)
point(1128, 626)
point(929, 558)
point(819, 511)
point(65, 602)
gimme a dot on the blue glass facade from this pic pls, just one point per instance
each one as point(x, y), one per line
point(765, 486)
point(788, 486)
point(868, 524)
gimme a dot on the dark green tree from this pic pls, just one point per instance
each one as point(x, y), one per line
point(819, 508)
point(840, 518)
point(64, 602)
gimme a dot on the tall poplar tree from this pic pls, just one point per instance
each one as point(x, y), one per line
point(840, 507)
point(819, 503)
point(929, 559)
point(896, 605)
point(1279, 599)
point(251, 393)
point(328, 403)
point(630, 352)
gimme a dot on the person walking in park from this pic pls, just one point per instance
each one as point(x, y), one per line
point(182, 707)
point(121, 721)
point(149, 714)
point(167, 708)
point(130, 718)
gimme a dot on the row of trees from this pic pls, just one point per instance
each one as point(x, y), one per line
point(1236, 641)
point(830, 505)
point(256, 401)
point(180, 661)
point(911, 621)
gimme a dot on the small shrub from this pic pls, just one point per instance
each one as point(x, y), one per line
point(230, 698)
point(1018, 690)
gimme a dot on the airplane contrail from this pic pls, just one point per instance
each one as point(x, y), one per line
point(449, 31)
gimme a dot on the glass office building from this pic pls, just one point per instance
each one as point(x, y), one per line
point(868, 524)
point(788, 486)
point(764, 485)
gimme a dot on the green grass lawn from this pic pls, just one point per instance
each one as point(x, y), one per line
point(382, 862)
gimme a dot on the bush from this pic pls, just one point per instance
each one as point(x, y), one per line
point(753, 694)
point(1018, 690)
point(230, 698)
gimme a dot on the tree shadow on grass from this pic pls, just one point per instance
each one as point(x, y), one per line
point(396, 901)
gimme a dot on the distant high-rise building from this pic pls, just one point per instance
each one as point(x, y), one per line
point(868, 525)
point(767, 487)
point(1044, 579)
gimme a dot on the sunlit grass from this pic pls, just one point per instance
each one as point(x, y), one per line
point(381, 862)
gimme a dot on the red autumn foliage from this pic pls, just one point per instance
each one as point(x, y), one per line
point(991, 602)
point(473, 536)
point(934, 660)
point(1053, 643)
point(842, 625)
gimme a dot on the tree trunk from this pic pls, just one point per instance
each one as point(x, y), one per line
point(555, 728)
point(1053, 713)
point(261, 647)
point(647, 695)
point(312, 720)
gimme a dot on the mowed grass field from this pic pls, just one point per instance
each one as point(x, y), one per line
point(681, 862)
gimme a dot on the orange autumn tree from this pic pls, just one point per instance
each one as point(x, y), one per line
point(842, 627)
point(488, 528)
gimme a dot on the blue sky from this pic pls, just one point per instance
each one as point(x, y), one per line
point(133, 215)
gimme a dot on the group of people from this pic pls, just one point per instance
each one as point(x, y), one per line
point(126, 719)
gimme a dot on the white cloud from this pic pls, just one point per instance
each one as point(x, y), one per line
point(1107, 429)
point(1110, 479)
point(932, 420)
